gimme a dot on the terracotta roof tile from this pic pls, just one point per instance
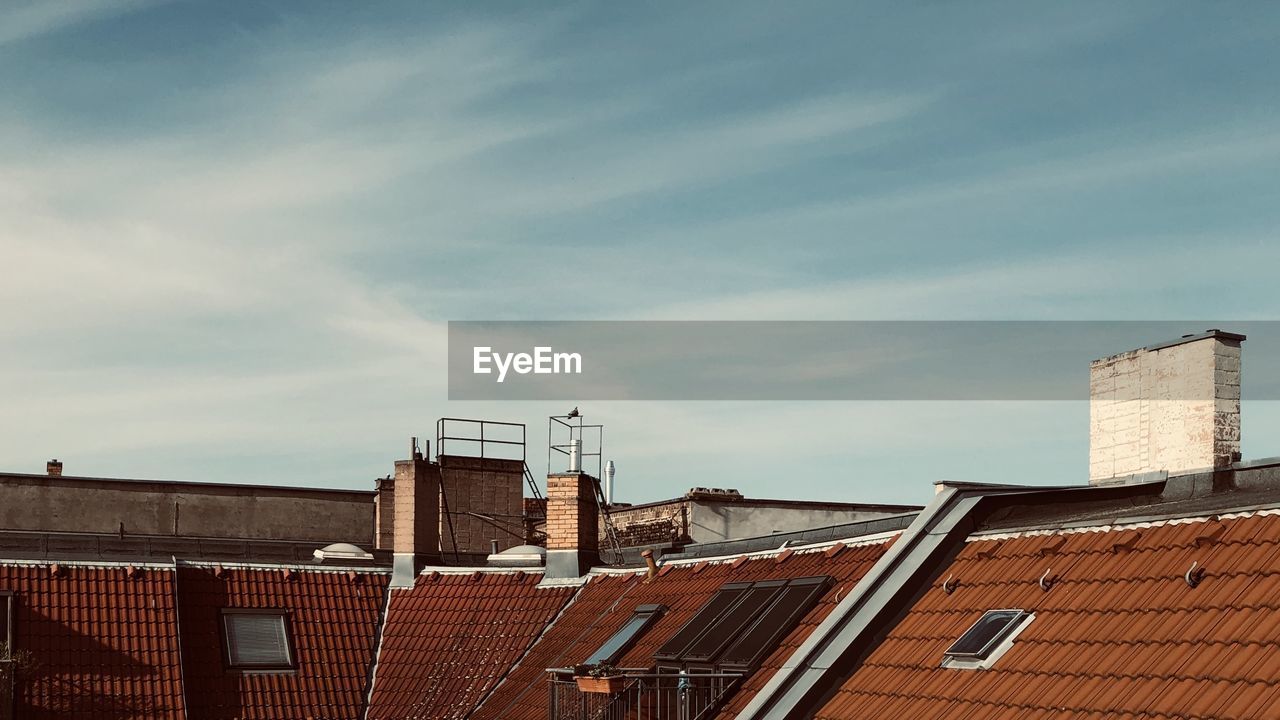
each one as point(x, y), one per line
point(601, 608)
point(449, 639)
point(104, 645)
point(333, 621)
point(1120, 634)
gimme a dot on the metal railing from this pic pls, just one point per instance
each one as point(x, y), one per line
point(7, 672)
point(643, 695)
point(473, 437)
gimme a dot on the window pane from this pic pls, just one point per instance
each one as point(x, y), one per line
point(723, 632)
point(985, 633)
point(257, 640)
point(6, 624)
point(613, 646)
point(775, 622)
point(721, 601)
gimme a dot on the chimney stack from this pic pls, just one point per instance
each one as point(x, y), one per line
point(53, 468)
point(573, 525)
point(1168, 409)
point(416, 517)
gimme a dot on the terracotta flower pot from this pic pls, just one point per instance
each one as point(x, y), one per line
point(611, 684)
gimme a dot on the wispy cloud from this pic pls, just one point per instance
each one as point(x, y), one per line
point(254, 265)
point(27, 19)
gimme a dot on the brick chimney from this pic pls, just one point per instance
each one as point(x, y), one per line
point(1169, 408)
point(416, 522)
point(53, 468)
point(573, 531)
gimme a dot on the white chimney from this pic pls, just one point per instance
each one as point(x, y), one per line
point(609, 472)
point(1169, 408)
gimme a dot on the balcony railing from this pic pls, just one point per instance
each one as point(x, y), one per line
point(644, 695)
point(6, 689)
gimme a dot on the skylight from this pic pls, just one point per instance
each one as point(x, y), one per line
point(619, 642)
point(742, 621)
point(257, 639)
point(775, 622)
point(988, 638)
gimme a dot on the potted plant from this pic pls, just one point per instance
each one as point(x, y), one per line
point(602, 678)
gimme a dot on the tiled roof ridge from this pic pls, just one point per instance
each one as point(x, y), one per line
point(573, 598)
point(1118, 526)
point(301, 567)
point(581, 633)
point(91, 564)
point(379, 630)
point(483, 569)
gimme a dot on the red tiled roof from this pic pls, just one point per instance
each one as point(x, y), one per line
point(1120, 634)
point(607, 601)
point(333, 617)
point(102, 644)
point(451, 637)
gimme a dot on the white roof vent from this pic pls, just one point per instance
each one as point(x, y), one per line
point(520, 556)
point(342, 551)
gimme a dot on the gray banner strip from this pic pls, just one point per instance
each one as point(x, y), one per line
point(820, 360)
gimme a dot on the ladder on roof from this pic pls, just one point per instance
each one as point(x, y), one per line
point(610, 531)
point(533, 484)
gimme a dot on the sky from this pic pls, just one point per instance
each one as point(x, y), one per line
point(232, 234)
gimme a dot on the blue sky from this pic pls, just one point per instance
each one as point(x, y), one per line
point(231, 233)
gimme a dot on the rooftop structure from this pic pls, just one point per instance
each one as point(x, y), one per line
point(1149, 595)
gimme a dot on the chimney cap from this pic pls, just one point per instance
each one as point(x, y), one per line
point(1193, 337)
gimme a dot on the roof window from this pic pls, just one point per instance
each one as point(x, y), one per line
point(625, 637)
point(987, 639)
point(742, 621)
point(257, 639)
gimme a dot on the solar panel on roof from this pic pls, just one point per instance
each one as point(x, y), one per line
point(980, 639)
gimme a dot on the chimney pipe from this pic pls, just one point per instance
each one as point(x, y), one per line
point(575, 455)
point(53, 467)
point(651, 566)
point(610, 470)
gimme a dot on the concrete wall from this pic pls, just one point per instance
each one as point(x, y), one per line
point(1173, 408)
point(93, 505)
point(706, 520)
point(713, 522)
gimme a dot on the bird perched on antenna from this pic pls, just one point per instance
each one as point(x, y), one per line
point(574, 412)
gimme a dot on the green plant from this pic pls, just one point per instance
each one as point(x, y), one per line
point(599, 670)
point(18, 659)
